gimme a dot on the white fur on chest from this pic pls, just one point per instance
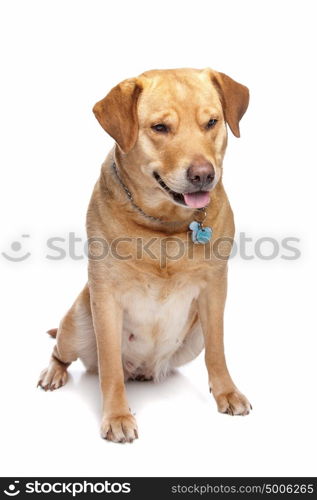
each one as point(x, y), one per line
point(154, 326)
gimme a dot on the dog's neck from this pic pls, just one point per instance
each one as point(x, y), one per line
point(150, 206)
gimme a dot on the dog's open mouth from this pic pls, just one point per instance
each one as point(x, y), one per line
point(196, 199)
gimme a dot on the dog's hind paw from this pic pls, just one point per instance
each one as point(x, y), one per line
point(53, 377)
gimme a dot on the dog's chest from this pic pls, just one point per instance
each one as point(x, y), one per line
point(156, 320)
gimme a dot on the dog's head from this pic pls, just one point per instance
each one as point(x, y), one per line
point(173, 123)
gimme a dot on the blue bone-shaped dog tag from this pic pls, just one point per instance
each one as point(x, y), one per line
point(200, 234)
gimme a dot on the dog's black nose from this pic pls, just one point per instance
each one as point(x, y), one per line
point(201, 174)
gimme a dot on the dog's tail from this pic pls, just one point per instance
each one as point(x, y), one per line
point(52, 332)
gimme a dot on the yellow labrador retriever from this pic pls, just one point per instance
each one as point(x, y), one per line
point(157, 278)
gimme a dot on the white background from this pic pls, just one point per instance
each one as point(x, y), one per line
point(60, 57)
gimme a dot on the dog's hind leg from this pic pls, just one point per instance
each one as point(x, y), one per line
point(74, 339)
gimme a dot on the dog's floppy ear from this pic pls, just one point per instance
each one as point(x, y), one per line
point(234, 97)
point(117, 113)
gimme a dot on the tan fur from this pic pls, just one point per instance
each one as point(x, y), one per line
point(141, 317)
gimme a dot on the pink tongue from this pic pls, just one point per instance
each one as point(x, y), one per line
point(197, 200)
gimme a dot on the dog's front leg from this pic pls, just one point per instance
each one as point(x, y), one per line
point(211, 305)
point(118, 424)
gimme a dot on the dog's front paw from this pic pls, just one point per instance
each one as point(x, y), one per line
point(233, 403)
point(119, 429)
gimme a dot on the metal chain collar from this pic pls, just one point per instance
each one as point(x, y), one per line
point(150, 217)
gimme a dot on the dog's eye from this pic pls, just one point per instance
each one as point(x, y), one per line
point(212, 122)
point(160, 127)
